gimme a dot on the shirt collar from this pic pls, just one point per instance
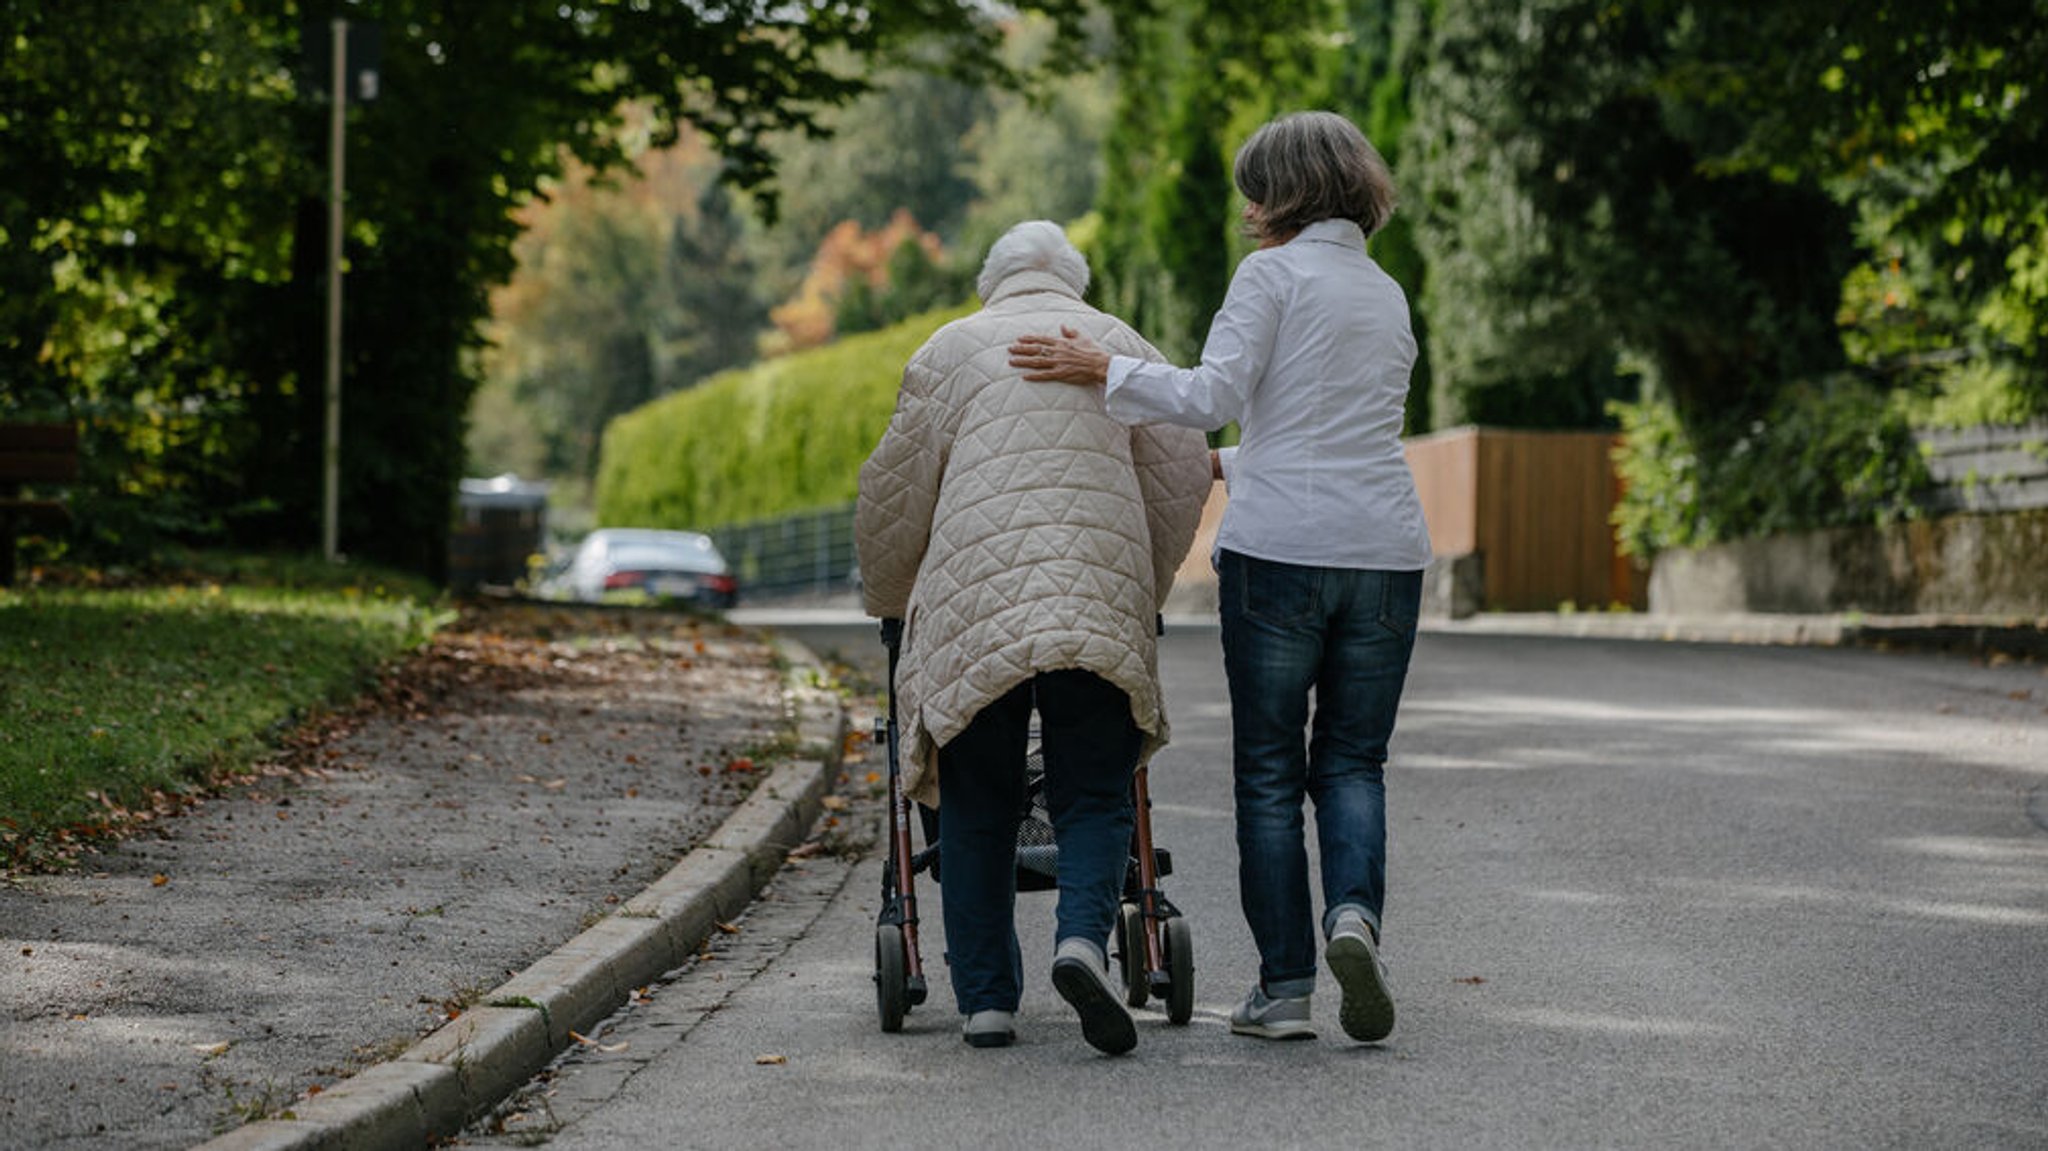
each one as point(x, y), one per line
point(1030, 280)
point(1334, 231)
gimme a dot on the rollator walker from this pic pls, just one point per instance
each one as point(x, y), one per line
point(1153, 948)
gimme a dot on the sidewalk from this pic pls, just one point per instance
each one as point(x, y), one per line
point(365, 942)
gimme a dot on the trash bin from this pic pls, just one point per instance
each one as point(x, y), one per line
point(501, 524)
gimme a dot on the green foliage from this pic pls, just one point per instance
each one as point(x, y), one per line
point(1570, 224)
point(1927, 119)
point(1824, 455)
point(107, 696)
point(785, 435)
point(162, 224)
point(624, 292)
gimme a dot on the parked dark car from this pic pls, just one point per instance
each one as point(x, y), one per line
point(635, 565)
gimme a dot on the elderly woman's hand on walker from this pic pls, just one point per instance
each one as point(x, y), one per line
point(1068, 358)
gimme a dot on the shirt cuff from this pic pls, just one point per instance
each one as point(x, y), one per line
point(1226, 461)
point(1120, 368)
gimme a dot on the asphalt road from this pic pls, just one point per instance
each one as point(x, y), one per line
point(1641, 895)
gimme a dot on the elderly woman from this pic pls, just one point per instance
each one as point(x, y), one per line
point(1028, 541)
point(1320, 553)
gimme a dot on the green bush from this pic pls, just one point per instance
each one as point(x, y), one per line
point(781, 436)
point(1827, 454)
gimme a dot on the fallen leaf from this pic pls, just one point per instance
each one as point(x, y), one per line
point(806, 850)
point(740, 765)
point(764, 1060)
point(1471, 980)
point(211, 1049)
point(834, 802)
point(585, 1040)
point(614, 1048)
point(728, 929)
point(554, 785)
point(159, 879)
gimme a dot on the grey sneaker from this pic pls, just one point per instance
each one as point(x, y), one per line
point(1368, 1009)
point(1270, 1018)
point(990, 1029)
point(1078, 975)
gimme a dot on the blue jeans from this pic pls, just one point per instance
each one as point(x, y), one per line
point(1346, 635)
point(1090, 744)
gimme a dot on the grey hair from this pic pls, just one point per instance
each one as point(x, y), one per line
point(1310, 166)
point(1034, 245)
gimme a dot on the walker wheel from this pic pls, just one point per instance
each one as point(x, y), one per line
point(1130, 942)
point(1180, 968)
point(892, 991)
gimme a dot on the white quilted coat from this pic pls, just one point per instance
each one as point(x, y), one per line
point(1016, 528)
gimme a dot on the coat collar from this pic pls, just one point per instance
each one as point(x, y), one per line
point(1030, 280)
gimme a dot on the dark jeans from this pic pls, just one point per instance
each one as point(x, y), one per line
point(1091, 748)
point(1346, 635)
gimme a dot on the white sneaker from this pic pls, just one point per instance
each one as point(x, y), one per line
point(1270, 1018)
point(1368, 1008)
point(990, 1029)
point(1078, 975)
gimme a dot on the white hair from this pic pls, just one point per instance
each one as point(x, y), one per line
point(1034, 245)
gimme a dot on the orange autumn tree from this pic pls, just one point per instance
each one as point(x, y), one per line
point(851, 262)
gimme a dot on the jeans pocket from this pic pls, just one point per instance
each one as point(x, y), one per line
point(1281, 595)
point(1401, 602)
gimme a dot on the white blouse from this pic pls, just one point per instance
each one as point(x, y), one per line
point(1310, 354)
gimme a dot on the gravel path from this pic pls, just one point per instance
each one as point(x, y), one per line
point(534, 766)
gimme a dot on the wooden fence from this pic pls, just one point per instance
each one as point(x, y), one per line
point(1534, 508)
point(1997, 468)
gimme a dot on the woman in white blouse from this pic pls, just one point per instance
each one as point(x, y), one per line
point(1320, 554)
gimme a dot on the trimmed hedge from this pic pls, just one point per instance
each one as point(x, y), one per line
point(781, 436)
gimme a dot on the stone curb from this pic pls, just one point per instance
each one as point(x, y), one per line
point(1965, 634)
point(478, 1059)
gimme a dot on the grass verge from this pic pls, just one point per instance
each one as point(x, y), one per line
point(116, 700)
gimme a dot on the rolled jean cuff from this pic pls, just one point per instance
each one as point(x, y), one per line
point(1330, 919)
point(1289, 988)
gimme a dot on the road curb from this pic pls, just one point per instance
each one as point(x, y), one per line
point(1979, 636)
point(473, 1062)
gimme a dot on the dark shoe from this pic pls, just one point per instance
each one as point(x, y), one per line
point(1368, 1010)
point(1078, 975)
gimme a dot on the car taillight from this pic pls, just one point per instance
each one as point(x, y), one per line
point(722, 584)
point(622, 579)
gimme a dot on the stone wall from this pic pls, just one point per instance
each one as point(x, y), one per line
point(1993, 564)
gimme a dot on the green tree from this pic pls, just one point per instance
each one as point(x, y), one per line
point(141, 243)
point(1928, 119)
point(163, 202)
point(1572, 225)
